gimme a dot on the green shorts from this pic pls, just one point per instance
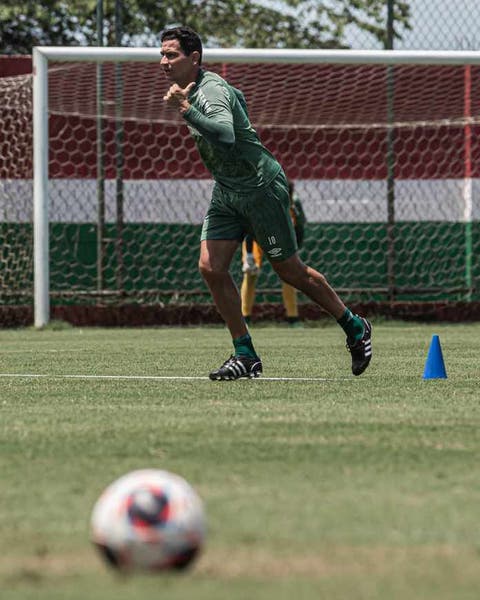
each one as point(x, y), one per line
point(264, 213)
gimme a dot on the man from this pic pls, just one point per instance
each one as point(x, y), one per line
point(250, 196)
point(252, 258)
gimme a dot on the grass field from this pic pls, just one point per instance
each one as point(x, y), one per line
point(339, 488)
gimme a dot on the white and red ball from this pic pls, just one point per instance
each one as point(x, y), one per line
point(149, 520)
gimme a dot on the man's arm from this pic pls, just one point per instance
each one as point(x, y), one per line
point(218, 133)
point(216, 127)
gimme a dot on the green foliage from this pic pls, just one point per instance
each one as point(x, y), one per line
point(227, 23)
point(47, 22)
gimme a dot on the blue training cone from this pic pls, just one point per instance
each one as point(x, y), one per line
point(435, 367)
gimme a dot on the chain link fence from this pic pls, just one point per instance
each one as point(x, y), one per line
point(434, 25)
point(348, 229)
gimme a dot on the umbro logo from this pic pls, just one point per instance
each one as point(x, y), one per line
point(275, 251)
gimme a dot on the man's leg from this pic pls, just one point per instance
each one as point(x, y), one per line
point(314, 285)
point(271, 223)
point(214, 263)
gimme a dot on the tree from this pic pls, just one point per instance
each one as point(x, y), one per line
point(46, 22)
point(287, 23)
point(227, 23)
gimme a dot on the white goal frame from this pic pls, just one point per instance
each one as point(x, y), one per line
point(43, 54)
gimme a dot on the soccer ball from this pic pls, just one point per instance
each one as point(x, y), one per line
point(148, 520)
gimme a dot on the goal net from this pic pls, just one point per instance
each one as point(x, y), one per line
point(382, 149)
point(16, 190)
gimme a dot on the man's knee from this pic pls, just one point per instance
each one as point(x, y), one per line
point(215, 257)
point(204, 267)
point(290, 270)
point(209, 270)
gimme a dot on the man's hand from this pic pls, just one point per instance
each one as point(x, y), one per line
point(176, 97)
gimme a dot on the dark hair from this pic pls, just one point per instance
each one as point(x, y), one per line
point(188, 39)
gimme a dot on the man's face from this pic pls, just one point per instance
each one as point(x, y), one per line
point(178, 67)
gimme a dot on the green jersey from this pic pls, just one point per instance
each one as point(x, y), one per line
point(229, 146)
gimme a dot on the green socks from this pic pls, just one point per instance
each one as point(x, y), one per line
point(244, 347)
point(352, 325)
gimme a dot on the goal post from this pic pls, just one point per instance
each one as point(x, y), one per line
point(285, 125)
point(40, 190)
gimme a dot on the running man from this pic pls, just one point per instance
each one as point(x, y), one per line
point(250, 195)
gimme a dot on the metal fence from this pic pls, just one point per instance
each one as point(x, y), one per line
point(435, 25)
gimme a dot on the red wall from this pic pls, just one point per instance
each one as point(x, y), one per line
point(15, 65)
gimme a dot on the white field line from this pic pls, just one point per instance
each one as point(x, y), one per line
point(160, 377)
